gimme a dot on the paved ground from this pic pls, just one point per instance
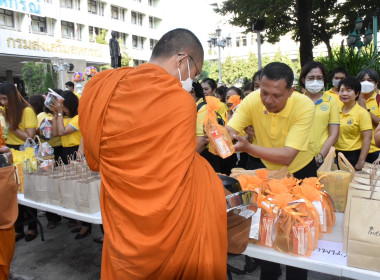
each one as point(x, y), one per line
point(61, 257)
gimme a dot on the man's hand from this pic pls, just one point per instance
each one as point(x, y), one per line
point(359, 165)
point(5, 150)
point(250, 133)
point(242, 144)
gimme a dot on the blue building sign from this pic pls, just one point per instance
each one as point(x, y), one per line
point(23, 6)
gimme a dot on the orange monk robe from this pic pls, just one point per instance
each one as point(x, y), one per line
point(163, 207)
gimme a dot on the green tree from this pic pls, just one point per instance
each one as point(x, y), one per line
point(34, 76)
point(125, 57)
point(101, 37)
point(309, 21)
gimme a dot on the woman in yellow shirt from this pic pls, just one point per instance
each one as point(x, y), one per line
point(65, 124)
point(22, 125)
point(325, 129)
point(355, 124)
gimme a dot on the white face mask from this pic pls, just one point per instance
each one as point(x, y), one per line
point(314, 86)
point(335, 83)
point(188, 83)
point(367, 86)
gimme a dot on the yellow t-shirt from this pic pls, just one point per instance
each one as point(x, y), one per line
point(72, 139)
point(77, 94)
point(326, 113)
point(55, 141)
point(335, 95)
point(201, 114)
point(223, 110)
point(374, 108)
point(289, 128)
point(351, 126)
point(28, 120)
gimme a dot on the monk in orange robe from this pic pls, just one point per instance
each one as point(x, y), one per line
point(163, 207)
point(8, 214)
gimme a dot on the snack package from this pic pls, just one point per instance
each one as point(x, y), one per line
point(51, 98)
point(220, 141)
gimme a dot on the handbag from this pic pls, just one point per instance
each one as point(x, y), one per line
point(8, 197)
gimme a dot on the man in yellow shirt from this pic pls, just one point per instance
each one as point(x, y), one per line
point(70, 86)
point(337, 75)
point(282, 123)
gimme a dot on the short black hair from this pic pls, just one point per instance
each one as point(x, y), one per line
point(351, 83)
point(371, 73)
point(70, 84)
point(249, 86)
point(238, 90)
point(222, 90)
point(310, 65)
point(338, 70)
point(210, 82)
point(177, 41)
point(257, 75)
point(277, 71)
point(198, 90)
point(71, 102)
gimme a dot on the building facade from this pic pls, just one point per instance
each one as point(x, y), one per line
point(76, 30)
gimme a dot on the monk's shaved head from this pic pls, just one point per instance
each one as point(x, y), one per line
point(178, 41)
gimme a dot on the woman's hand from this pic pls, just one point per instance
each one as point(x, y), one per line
point(359, 165)
point(5, 150)
point(57, 106)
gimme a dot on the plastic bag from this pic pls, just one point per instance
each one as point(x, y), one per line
point(220, 141)
point(51, 98)
point(29, 143)
point(46, 129)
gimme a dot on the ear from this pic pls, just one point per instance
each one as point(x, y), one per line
point(291, 90)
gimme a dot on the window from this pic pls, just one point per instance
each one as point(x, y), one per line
point(67, 29)
point(121, 36)
point(6, 18)
point(78, 31)
point(38, 24)
point(252, 40)
point(67, 4)
point(150, 2)
point(114, 12)
point(136, 18)
point(244, 38)
point(122, 14)
point(152, 43)
point(237, 42)
point(138, 42)
point(134, 41)
point(91, 7)
point(77, 4)
point(151, 22)
point(101, 9)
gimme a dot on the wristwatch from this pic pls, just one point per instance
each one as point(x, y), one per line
point(60, 114)
point(320, 161)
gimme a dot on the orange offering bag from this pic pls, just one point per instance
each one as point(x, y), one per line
point(293, 234)
point(220, 141)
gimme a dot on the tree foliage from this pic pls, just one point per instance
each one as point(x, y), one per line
point(329, 17)
point(34, 76)
point(241, 70)
point(351, 60)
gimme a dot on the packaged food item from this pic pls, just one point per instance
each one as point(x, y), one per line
point(51, 98)
point(267, 229)
point(46, 129)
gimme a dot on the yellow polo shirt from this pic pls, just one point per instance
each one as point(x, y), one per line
point(374, 108)
point(335, 95)
point(201, 114)
point(77, 94)
point(289, 128)
point(326, 113)
point(28, 120)
point(72, 139)
point(351, 126)
point(223, 110)
point(55, 141)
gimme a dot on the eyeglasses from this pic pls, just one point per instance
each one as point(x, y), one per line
point(198, 76)
point(312, 78)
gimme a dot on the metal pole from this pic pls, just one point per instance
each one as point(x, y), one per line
point(375, 30)
point(259, 49)
point(63, 83)
point(220, 67)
